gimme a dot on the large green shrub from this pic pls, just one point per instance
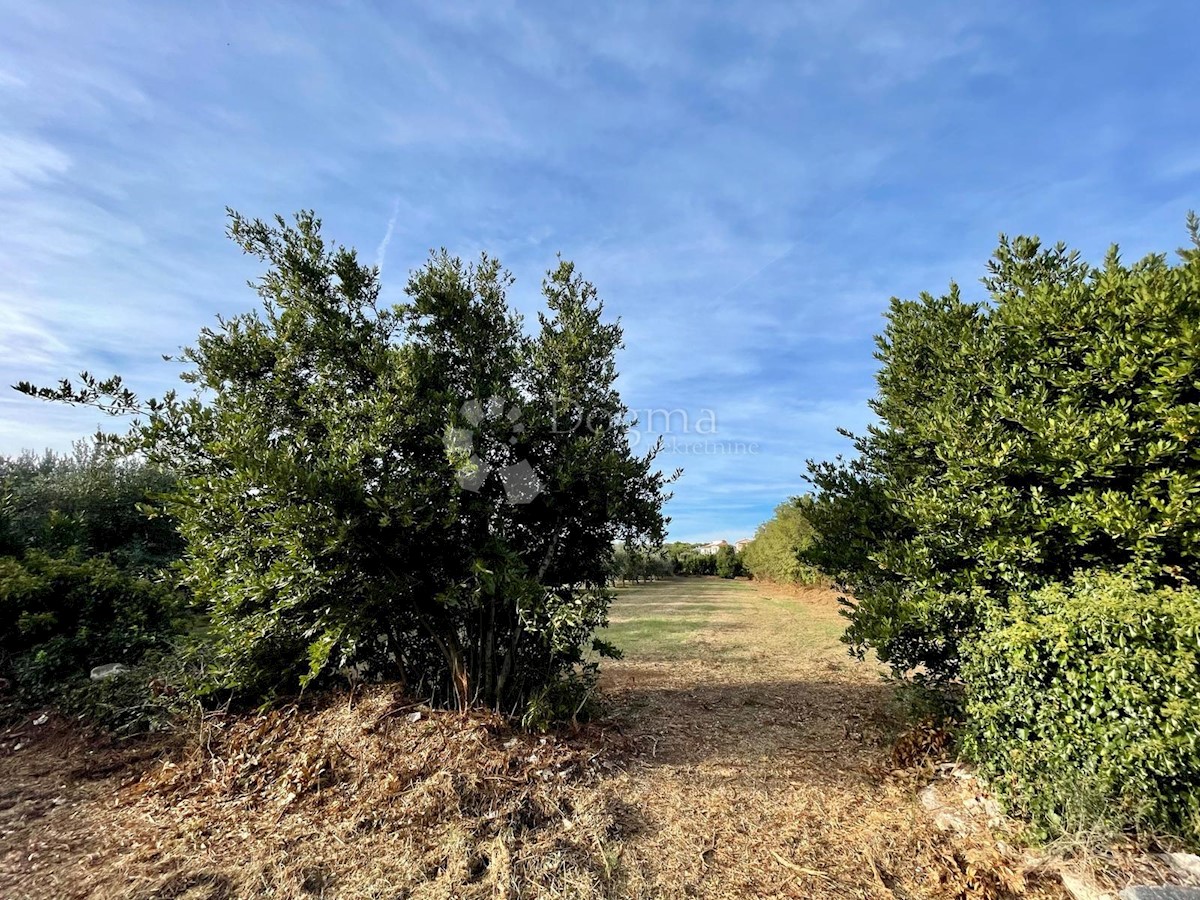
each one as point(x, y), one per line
point(425, 492)
point(775, 553)
point(78, 565)
point(694, 563)
point(1082, 703)
point(59, 617)
point(1050, 429)
point(728, 562)
point(87, 500)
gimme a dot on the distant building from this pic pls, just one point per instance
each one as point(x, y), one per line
point(713, 548)
point(741, 545)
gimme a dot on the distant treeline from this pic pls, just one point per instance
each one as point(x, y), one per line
point(777, 553)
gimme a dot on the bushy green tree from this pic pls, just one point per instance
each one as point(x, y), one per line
point(628, 564)
point(87, 501)
point(698, 564)
point(424, 492)
point(634, 563)
point(60, 616)
point(659, 565)
point(1049, 430)
point(676, 552)
point(727, 562)
point(80, 567)
point(775, 552)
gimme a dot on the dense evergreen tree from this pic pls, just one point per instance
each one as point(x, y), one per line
point(423, 491)
point(1047, 431)
point(775, 553)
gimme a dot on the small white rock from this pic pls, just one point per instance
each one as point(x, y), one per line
point(1184, 863)
point(1159, 892)
point(930, 799)
point(42, 719)
point(108, 670)
point(944, 821)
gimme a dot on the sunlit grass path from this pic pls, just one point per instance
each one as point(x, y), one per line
point(764, 765)
point(675, 618)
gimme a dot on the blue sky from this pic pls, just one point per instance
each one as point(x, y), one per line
point(746, 183)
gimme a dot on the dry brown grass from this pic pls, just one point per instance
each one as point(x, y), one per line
point(353, 797)
point(764, 766)
point(746, 756)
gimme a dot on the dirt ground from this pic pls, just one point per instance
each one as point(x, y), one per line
point(770, 770)
point(742, 754)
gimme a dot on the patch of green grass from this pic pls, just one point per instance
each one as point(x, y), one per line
point(660, 619)
point(666, 620)
point(689, 607)
point(653, 637)
point(814, 630)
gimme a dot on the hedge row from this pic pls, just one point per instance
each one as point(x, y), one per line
point(1082, 705)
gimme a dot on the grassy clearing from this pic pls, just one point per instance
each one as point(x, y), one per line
point(765, 767)
point(744, 755)
point(683, 618)
point(662, 619)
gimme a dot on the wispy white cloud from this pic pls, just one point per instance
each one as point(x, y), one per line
point(23, 337)
point(747, 184)
point(25, 161)
point(381, 250)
